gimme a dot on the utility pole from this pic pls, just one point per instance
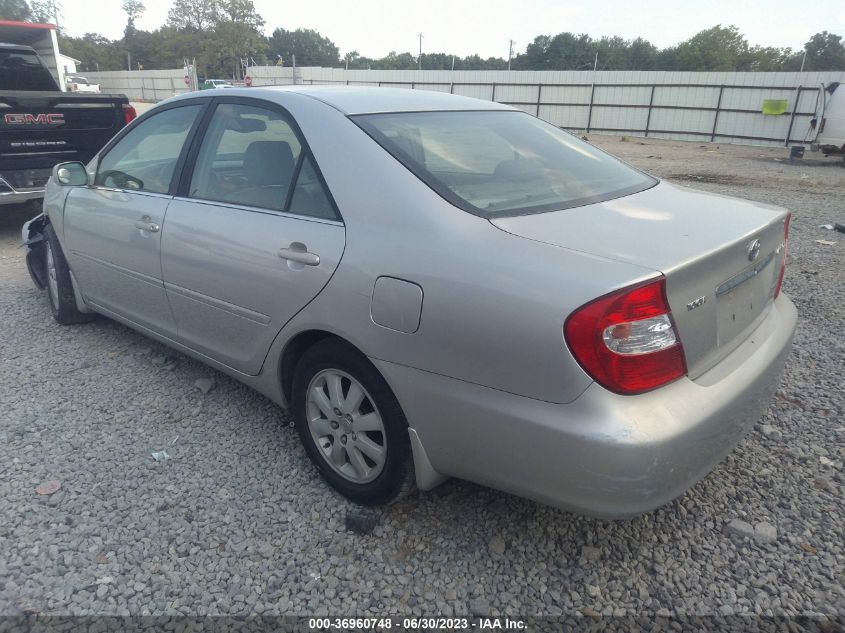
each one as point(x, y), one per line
point(419, 59)
point(510, 53)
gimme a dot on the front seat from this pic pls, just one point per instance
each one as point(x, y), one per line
point(268, 169)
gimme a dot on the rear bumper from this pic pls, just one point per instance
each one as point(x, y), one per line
point(9, 196)
point(603, 454)
point(18, 186)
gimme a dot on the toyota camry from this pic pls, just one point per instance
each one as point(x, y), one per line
point(434, 286)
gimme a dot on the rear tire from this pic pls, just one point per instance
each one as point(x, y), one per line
point(351, 424)
point(60, 293)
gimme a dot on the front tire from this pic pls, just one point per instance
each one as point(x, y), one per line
point(60, 293)
point(351, 424)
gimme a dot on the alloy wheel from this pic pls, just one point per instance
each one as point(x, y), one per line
point(346, 426)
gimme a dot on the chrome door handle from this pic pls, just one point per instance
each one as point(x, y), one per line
point(297, 253)
point(145, 224)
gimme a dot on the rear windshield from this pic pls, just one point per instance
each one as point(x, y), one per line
point(22, 70)
point(502, 163)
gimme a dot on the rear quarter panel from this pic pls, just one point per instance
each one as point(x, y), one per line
point(494, 304)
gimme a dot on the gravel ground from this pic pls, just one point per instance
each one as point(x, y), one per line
point(237, 522)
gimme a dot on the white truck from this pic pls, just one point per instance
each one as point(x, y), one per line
point(829, 122)
point(81, 84)
point(42, 39)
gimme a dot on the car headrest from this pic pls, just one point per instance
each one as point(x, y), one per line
point(520, 169)
point(268, 163)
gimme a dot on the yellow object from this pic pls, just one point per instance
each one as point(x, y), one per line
point(774, 106)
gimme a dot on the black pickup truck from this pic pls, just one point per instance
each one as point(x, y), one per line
point(41, 126)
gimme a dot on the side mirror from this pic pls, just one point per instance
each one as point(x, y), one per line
point(70, 174)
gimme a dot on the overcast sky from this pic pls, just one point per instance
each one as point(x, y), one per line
point(376, 27)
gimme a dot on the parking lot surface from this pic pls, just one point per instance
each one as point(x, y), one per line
point(237, 521)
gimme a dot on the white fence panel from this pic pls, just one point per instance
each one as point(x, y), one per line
point(718, 106)
point(572, 118)
point(145, 85)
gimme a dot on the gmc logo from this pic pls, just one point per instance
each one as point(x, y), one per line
point(34, 119)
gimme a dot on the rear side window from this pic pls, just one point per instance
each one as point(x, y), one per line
point(248, 156)
point(502, 163)
point(144, 159)
point(23, 70)
point(309, 195)
point(252, 156)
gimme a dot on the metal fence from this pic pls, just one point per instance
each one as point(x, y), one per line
point(721, 107)
point(145, 85)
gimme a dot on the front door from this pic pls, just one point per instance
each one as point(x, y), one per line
point(112, 230)
point(253, 239)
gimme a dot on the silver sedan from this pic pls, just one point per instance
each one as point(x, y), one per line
point(435, 286)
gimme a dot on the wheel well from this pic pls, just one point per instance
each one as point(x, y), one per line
point(294, 350)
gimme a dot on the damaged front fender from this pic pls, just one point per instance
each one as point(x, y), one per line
point(32, 237)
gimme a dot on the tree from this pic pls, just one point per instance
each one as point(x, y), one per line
point(17, 10)
point(768, 58)
point(237, 40)
point(243, 12)
point(564, 51)
point(199, 15)
point(94, 51)
point(396, 61)
point(642, 55)
point(133, 9)
point(825, 51)
point(716, 48)
point(310, 48)
point(48, 11)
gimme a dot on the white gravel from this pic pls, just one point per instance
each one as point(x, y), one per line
point(237, 522)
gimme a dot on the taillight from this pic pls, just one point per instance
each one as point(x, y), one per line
point(783, 255)
point(626, 340)
point(129, 113)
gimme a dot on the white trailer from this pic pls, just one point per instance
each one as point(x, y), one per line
point(830, 120)
point(42, 38)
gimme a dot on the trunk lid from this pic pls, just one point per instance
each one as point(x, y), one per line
point(718, 289)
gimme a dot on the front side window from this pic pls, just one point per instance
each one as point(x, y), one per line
point(145, 158)
point(495, 163)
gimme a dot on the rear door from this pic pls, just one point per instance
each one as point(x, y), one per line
point(112, 230)
point(253, 236)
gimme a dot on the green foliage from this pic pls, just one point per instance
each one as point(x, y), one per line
point(95, 51)
point(310, 48)
point(133, 9)
point(220, 33)
point(716, 48)
point(194, 15)
point(46, 11)
point(825, 51)
point(17, 10)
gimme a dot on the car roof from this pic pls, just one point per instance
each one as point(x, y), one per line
point(370, 99)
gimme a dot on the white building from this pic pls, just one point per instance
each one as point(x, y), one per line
point(68, 64)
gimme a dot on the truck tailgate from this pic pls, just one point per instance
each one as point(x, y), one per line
point(40, 129)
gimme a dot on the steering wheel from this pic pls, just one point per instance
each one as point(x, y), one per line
point(122, 180)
